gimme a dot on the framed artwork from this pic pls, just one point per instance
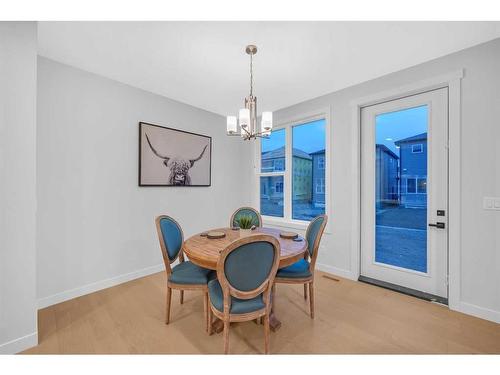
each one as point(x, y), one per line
point(171, 157)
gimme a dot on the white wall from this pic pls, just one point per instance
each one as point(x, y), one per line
point(18, 322)
point(480, 170)
point(95, 225)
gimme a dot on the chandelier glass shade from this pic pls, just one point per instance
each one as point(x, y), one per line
point(245, 125)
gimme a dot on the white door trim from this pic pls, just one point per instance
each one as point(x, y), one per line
point(451, 80)
point(432, 280)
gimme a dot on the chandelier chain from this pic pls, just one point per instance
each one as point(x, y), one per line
point(251, 74)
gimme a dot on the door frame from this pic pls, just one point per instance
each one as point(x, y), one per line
point(432, 282)
point(452, 81)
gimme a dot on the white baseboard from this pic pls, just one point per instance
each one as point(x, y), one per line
point(479, 312)
point(336, 271)
point(19, 344)
point(99, 285)
point(463, 307)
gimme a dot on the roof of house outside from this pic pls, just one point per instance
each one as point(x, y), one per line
point(387, 150)
point(418, 137)
point(280, 153)
point(322, 151)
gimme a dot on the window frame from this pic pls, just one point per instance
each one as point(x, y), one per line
point(322, 164)
point(407, 185)
point(286, 221)
point(417, 152)
point(322, 183)
point(418, 180)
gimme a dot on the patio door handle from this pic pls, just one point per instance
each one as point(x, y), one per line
point(439, 225)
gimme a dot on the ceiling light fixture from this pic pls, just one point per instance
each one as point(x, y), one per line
point(247, 119)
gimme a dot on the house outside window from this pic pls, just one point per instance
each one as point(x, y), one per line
point(387, 178)
point(413, 166)
point(294, 189)
point(272, 174)
point(279, 164)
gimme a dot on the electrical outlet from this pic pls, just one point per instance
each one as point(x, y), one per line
point(491, 203)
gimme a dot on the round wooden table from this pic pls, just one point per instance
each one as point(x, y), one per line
point(205, 252)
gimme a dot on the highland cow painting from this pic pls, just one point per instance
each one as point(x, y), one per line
point(171, 157)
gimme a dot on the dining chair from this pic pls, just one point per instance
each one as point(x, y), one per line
point(257, 219)
point(245, 276)
point(185, 275)
point(302, 272)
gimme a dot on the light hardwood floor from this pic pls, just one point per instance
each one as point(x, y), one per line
point(351, 317)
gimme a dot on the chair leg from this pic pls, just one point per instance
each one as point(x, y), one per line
point(266, 333)
point(205, 309)
point(226, 337)
point(273, 297)
point(209, 319)
point(311, 299)
point(182, 297)
point(305, 291)
point(169, 297)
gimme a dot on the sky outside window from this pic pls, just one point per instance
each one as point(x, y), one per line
point(394, 126)
point(308, 138)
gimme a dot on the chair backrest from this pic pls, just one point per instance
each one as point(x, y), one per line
point(247, 267)
point(171, 239)
point(313, 235)
point(249, 211)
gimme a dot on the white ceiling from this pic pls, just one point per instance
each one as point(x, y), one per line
point(204, 63)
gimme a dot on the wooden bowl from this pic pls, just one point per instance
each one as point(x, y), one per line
point(288, 235)
point(215, 234)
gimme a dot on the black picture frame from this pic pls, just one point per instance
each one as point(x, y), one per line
point(141, 143)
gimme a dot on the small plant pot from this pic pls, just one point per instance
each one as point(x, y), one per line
point(245, 232)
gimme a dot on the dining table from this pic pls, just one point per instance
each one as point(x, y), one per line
point(205, 252)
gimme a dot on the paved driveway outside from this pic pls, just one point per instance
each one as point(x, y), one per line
point(402, 247)
point(400, 217)
point(401, 238)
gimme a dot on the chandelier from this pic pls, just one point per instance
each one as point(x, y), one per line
point(247, 119)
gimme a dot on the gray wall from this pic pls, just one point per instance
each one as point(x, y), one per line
point(95, 225)
point(480, 258)
point(18, 321)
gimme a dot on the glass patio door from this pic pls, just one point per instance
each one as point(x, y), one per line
point(404, 193)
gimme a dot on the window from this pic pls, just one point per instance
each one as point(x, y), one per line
point(417, 149)
point(321, 162)
point(320, 186)
point(279, 187)
point(305, 159)
point(411, 185)
point(416, 185)
point(422, 186)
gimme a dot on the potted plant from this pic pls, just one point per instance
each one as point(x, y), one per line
point(245, 222)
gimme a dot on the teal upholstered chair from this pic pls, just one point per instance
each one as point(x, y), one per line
point(248, 211)
point(245, 276)
point(185, 275)
point(302, 272)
